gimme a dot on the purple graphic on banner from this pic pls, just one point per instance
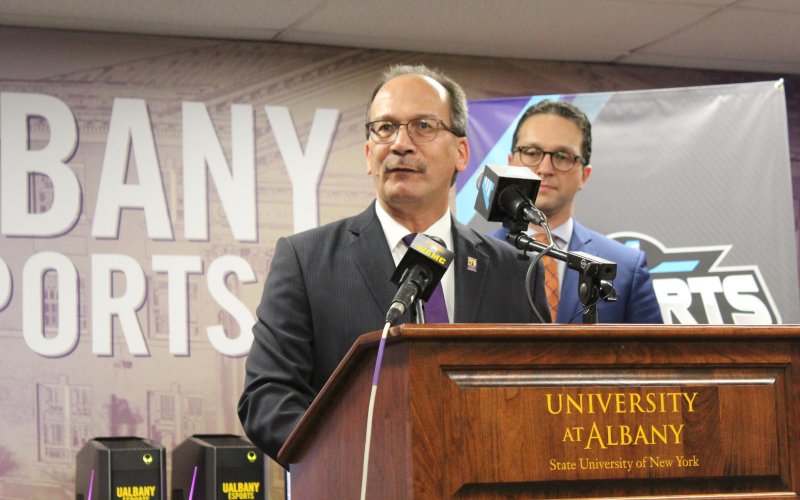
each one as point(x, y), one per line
point(490, 130)
point(194, 479)
point(489, 120)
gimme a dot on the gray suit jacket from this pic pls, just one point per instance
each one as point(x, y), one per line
point(328, 285)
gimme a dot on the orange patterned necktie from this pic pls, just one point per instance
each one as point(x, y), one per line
point(550, 278)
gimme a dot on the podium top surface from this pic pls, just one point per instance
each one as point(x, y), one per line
point(481, 331)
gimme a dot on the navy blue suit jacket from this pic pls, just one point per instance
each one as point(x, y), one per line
point(636, 299)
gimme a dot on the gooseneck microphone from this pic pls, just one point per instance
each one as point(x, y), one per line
point(506, 194)
point(519, 206)
point(418, 273)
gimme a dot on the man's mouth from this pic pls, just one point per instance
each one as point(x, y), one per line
point(402, 169)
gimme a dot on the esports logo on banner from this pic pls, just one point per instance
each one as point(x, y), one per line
point(693, 288)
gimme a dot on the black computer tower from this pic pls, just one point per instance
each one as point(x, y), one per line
point(119, 467)
point(217, 466)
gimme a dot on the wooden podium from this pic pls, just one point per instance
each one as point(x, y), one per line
point(559, 411)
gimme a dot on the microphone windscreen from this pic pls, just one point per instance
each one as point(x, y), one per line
point(494, 179)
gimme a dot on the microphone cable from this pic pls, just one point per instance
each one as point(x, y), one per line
point(607, 294)
point(532, 266)
point(371, 410)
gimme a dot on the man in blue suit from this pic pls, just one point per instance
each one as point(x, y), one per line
point(554, 139)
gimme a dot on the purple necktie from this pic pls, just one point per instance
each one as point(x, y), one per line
point(435, 308)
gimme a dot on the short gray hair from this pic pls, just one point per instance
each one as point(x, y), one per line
point(459, 113)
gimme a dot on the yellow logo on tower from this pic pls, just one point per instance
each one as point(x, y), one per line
point(135, 492)
point(241, 490)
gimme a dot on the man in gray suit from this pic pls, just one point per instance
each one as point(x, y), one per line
point(331, 284)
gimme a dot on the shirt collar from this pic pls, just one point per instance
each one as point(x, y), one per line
point(564, 233)
point(394, 231)
point(561, 234)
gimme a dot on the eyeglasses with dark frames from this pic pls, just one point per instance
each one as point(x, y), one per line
point(563, 161)
point(419, 130)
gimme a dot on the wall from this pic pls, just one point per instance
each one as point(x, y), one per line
point(184, 382)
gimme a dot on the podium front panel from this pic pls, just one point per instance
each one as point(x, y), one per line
point(559, 420)
point(518, 412)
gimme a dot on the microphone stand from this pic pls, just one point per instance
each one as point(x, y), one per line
point(419, 311)
point(594, 271)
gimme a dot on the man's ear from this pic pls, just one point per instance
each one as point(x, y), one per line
point(463, 154)
point(367, 153)
point(585, 173)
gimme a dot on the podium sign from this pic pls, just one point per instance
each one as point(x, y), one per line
point(557, 411)
point(569, 425)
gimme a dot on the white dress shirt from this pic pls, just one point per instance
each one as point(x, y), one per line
point(442, 228)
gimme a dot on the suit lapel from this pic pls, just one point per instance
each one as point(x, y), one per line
point(470, 274)
point(372, 256)
point(374, 261)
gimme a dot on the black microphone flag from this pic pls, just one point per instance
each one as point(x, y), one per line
point(494, 180)
point(427, 252)
point(418, 273)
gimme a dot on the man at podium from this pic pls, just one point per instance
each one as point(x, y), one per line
point(328, 285)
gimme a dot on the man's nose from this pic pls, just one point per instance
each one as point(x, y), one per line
point(403, 143)
point(546, 165)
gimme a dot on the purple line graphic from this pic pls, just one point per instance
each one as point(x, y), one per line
point(194, 478)
point(91, 484)
point(376, 375)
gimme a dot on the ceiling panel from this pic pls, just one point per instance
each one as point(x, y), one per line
point(699, 61)
point(789, 6)
point(546, 29)
point(211, 18)
point(738, 36)
point(752, 35)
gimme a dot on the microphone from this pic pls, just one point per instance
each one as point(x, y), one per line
point(508, 192)
point(418, 273)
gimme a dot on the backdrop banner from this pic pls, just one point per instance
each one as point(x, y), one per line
point(699, 178)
